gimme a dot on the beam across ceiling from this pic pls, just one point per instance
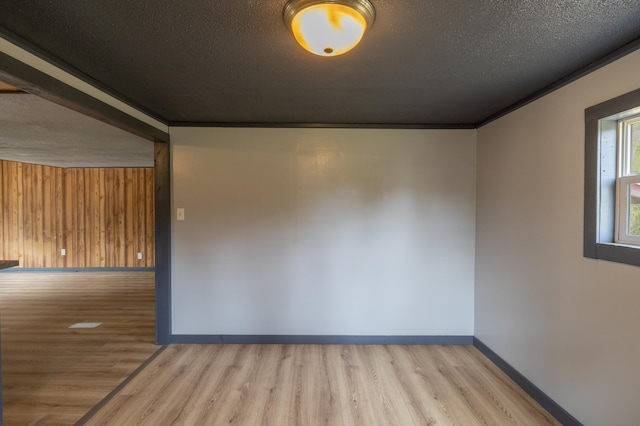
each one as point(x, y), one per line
point(26, 70)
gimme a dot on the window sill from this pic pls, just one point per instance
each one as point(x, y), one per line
point(633, 246)
point(615, 252)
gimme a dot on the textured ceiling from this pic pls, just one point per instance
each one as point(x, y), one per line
point(37, 131)
point(428, 62)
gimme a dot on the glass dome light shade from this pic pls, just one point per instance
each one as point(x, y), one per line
point(329, 28)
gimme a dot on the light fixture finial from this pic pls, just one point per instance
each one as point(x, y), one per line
point(329, 27)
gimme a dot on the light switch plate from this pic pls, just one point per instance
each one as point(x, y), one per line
point(180, 214)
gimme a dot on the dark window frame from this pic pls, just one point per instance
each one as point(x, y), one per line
point(601, 141)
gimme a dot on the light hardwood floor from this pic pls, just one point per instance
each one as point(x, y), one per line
point(53, 375)
point(321, 385)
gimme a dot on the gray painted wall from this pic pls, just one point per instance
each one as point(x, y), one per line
point(323, 231)
point(568, 323)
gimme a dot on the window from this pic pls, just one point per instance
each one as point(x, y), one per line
point(628, 182)
point(612, 180)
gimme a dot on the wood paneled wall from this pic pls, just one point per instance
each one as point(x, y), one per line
point(101, 217)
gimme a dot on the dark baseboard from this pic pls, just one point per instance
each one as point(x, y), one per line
point(285, 339)
point(543, 399)
point(18, 270)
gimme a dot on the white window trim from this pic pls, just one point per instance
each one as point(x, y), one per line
point(623, 181)
point(622, 204)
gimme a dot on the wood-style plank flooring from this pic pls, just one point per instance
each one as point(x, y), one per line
point(321, 385)
point(53, 375)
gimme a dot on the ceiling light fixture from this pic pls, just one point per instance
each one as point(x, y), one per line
point(329, 27)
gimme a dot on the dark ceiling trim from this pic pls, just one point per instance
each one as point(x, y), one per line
point(32, 80)
point(594, 66)
point(322, 125)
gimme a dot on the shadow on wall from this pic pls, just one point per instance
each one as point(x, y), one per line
point(316, 234)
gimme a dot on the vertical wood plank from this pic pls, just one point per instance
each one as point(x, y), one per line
point(7, 205)
point(19, 211)
point(98, 225)
point(150, 222)
point(132, 218)
point(79, 258)
point(52, 260)
point(25, 221)
point(38, 230)
point(88, 243)
point(10, 213)
point(27, 233)
point(4, 220)
point(94, 219)
point(91, 246)
point(129, 219)
point(69, 217)
point(109, 231)
point(102, 214)
point(141, 213)
point(47, 218)
point(119, 217)
point(88, 213)
point(9, 210)
point(59, 217)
